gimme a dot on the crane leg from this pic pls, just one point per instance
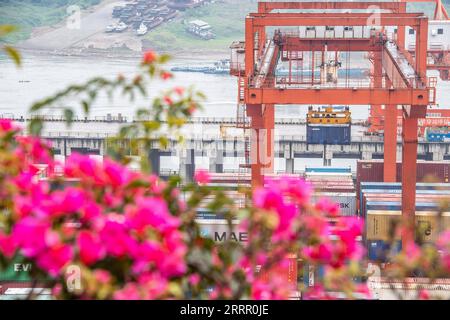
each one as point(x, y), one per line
point(377, 82)
point(262, 141)
point(409, 175)
point(390, 143)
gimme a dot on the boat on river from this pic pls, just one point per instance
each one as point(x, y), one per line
point(223, 67)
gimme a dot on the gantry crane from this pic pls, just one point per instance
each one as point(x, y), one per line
point(398, 79)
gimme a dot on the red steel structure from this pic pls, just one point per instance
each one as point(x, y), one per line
point(438, 59)
point(394, 81)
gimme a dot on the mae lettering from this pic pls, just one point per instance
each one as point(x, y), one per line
point(233, 236)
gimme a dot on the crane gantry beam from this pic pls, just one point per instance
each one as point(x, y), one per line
point(267, 7)
point(343, 96)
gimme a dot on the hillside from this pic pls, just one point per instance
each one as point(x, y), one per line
point(225, 17)
point(28, 14)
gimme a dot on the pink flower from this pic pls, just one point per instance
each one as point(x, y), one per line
point(24, 179)
point(194, 279)
point(54, 259)
point(322, 253)
point(412, 251)
point(202, 177)
point(424, 295)
point(179, 90)
point(129, 292)
point(174, 264)
point(90, 248)
point(153, 285)
point(267, 199)
point(22, 206)
point(116, 174)
point(151, 212)
point(166, 75)
point(82, 167)
point(116, 239)
point(30, 236)
point(8, 246)
point(149, 57)
point(327, 206)
point(7, 125)
point(168, 100)
point(102, 276)
point(90, 211)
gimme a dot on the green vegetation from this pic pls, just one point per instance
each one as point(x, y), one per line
point(28, 14)
point(226, 19)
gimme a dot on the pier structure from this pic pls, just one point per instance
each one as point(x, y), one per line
point(217, 149)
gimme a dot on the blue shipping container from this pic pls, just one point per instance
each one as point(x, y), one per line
point(203, 213)
point(328, 134)
point(395, 206)
point(437, 188)
point(444, 193)
point(379, 250)
point(398, 185)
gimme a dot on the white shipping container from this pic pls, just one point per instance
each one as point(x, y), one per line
point(328, 176)
point(346, 201)
point(218, 230)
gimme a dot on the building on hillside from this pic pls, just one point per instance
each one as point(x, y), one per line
point(201, 29)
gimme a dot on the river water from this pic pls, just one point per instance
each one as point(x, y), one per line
point(41, 76)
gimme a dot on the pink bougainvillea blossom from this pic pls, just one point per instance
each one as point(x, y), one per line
point(202, 176)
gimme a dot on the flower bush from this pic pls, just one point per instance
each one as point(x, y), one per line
point(133, 237)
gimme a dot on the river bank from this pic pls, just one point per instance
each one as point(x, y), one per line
point(200, 56)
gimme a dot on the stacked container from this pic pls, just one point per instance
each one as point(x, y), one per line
point(380, 206)
point(372, 171)
point(336, 184)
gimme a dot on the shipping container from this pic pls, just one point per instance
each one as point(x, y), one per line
point(328, 134)
point(397, 205)
point(379, 224)
point(345, 201)
point(290, 271)
point(313, 275)
point(372, 171)
point(398, 186)
point(435, 199)
point(328, 170)
point(378, 250)
point(219, 231)
point(443, 194)
point(328, 176)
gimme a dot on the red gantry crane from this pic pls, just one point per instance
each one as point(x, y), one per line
point(310, 38)
point(438, 59)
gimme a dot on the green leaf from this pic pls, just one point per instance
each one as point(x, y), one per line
point(13, 54)
point(151, 125)
point(164, 142)
point(68, 115)
point(6, 29)
point(85, 107)
point(164, 58)
point(35, 126)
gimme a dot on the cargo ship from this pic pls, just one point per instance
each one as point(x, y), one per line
point(219, 67)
